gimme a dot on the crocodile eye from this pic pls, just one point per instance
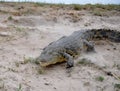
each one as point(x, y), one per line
point(44, 48)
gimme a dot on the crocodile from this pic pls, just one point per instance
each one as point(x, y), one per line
point(67, 48)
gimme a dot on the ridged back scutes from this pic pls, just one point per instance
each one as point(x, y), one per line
point(100, 34)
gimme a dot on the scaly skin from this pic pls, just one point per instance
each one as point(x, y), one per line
point(68, 48)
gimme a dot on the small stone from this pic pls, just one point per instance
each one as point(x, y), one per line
point(4, 34)
point(108, 49)
point(46, 83)
point(114, 48)
point(54, 87)
point(87, 83)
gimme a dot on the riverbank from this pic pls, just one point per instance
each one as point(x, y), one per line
point(26, 28)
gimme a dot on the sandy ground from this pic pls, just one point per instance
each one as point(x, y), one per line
point(25, 29)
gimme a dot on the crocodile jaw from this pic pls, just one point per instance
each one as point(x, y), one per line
point(51, 62)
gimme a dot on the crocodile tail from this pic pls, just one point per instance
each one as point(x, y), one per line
point(101, 34)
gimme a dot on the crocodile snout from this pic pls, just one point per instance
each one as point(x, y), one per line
point(43, 62)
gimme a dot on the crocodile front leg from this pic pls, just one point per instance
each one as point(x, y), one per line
point(70, 63)
point(69, 60)
point(89, 46)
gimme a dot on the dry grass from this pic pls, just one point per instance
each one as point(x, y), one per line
point(80, 7)
point(117, 87)
point(100, 78)
point(96, 9)
point(10, 18)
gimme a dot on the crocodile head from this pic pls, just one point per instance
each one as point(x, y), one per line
point(49, 56)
